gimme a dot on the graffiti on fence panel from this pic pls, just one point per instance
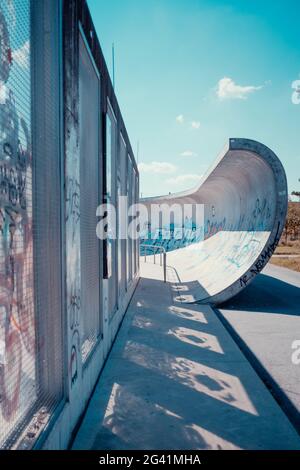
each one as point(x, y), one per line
point(17, 326)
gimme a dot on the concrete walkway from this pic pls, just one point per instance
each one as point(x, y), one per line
point(266, 318)
point(175, 379)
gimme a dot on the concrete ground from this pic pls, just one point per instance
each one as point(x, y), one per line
point(175, 379)
point(266, 318)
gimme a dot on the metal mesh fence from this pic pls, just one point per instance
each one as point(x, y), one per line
point(29, 384)
point(89, 198)
point(130, 243)
point(111, 194)
point(17, 325)
point(32, 220)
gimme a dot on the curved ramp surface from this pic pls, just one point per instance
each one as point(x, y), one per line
point(244, 196)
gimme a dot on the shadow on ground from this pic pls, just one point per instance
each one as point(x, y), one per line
point(176, 380)
point(266, 294)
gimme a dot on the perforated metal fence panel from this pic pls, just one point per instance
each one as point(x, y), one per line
point(136, 241)
point(30, 294)
point(111, 195)
point(17, 326)
point(130, 243)
point(51, 182)
point(123, 212)
point(89, 122)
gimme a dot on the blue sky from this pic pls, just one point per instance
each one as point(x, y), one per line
point(192, 73)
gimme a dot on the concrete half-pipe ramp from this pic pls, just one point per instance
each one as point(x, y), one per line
point(244, 196)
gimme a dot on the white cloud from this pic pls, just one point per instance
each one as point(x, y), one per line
point(189, 178)
point(21, 55)
point(195, 124)
point(188, 153)
point(228, 89)
point(180, 119)
point(157, 167)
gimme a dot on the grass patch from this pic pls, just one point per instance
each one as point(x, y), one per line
point(290, 248)
point(290, 263)
point(287, 250)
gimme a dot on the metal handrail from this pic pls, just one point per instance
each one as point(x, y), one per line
point(162, 256)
